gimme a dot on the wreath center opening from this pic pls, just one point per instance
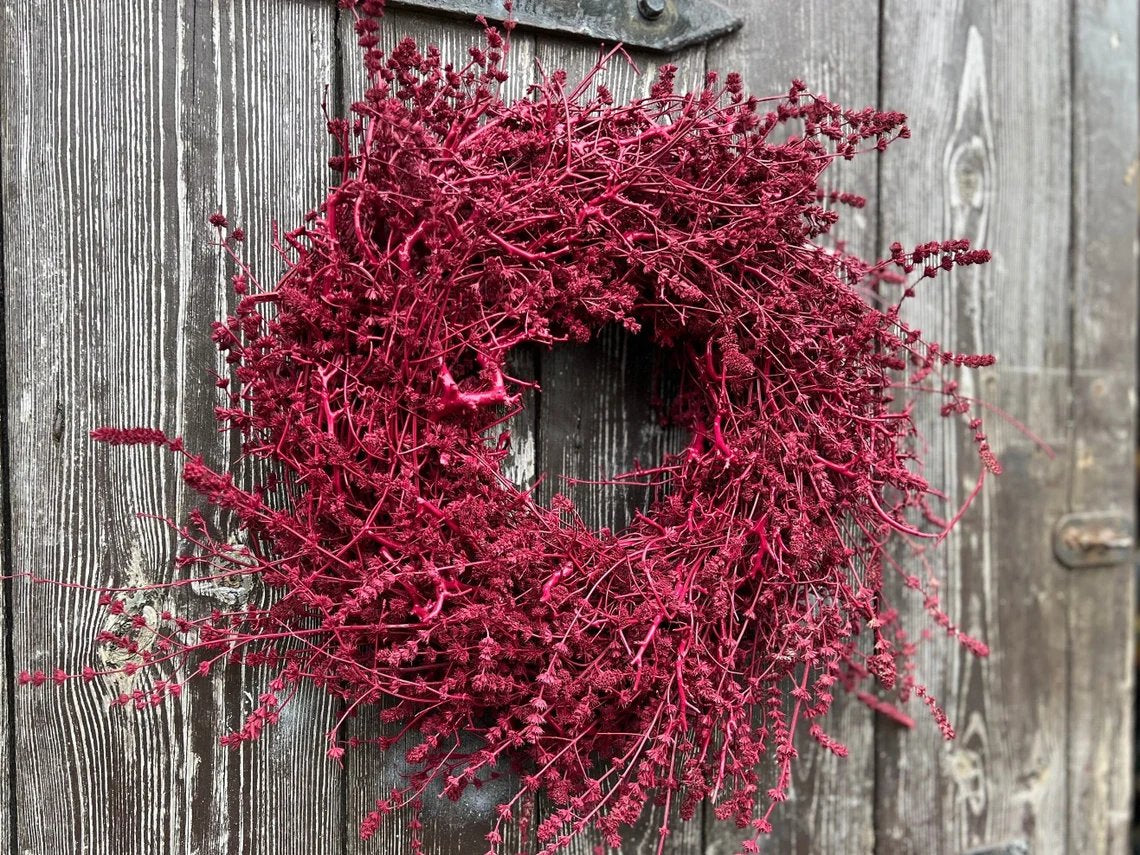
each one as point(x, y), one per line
point(605, 419)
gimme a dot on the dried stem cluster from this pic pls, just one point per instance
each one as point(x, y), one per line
point(674, 660)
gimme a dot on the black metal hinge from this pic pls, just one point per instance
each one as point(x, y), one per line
point(663, 25)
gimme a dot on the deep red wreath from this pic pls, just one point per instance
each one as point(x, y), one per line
point(671, 661)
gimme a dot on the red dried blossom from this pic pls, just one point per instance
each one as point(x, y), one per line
point(676, 659)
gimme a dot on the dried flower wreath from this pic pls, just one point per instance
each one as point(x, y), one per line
point(664, 662)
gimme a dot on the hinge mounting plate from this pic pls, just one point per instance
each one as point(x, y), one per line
point(660, 25)
point(1094, 539)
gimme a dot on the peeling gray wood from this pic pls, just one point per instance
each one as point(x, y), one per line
point(128, 126)
point(833, 48)
point(985, 86)
point(1102, 477)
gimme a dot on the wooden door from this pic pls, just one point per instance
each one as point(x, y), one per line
point(126, 124)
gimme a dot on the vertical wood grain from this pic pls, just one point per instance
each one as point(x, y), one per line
point(596, 413)
point(1103, 318)
point(833, 48)
point(986, 87)
point(264, 148)
point(7, 758)
point(7, 677)
point(90, 320)
point(450, 828)
point(134, 124)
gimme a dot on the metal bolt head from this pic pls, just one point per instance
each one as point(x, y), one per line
point(651, 9)
point(1093, 539)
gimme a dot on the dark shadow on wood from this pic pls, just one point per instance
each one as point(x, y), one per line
point(604, 411)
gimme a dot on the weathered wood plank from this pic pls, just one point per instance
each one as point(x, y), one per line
point(596, 409)
point(833, 48)
point(89, 779)
point(7, 677)
point(7, 686)
point(449, 828)
point(271, 63)
point(989, 160)
point(134, 124)
point(1101, 685)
